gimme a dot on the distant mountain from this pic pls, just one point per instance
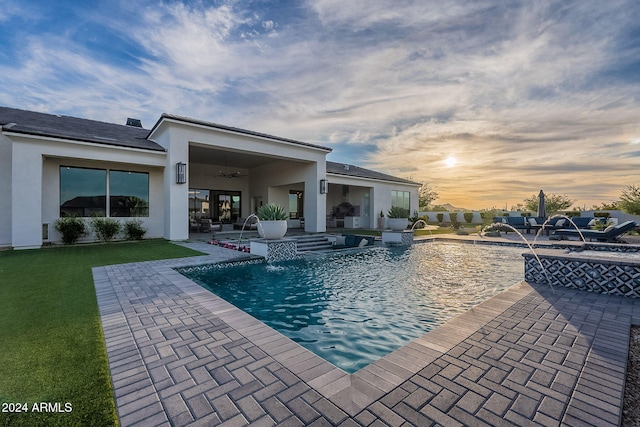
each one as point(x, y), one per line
point(450, 208)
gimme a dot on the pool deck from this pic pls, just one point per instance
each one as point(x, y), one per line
point(530, 356)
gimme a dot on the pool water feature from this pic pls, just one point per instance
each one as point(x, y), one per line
point(594, 270)
point(353, 308)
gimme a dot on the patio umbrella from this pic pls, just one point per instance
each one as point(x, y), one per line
point(542, 210)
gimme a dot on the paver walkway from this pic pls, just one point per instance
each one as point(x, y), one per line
point(179, 355)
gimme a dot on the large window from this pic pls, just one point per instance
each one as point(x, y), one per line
point(401, 199)
point(199, 206)
point(83, 192)
point(128, 193)
point(94, 192)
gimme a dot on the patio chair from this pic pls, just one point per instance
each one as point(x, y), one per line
point(610, 234)
point(551, 224)
point(251, 224)
point(205, 225)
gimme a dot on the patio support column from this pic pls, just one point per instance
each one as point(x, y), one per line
point(26, 196)
point(315, 204)
point(176, 196)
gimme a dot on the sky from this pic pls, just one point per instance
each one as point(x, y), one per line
point(488, 101)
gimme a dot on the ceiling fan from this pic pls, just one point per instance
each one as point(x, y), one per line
point(231, 175)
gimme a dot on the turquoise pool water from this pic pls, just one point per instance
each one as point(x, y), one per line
point(353, 308)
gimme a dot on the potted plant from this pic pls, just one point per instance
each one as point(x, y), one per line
point(381, 220)
point(272, 222)
point(398, 218)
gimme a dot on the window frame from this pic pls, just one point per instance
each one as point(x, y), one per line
point(107, 209)
point(401, 198)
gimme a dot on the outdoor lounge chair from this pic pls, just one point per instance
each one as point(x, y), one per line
point(611, 234)
point(583, 221)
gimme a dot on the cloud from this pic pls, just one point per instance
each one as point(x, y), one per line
point(525, 95)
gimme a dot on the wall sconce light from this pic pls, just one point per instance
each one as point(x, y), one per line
point(181, 173)
point(324, 186)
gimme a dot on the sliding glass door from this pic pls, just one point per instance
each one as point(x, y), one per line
point(226, 205)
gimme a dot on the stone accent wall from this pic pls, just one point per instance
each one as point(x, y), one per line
point(593, 274)
point(275, 250)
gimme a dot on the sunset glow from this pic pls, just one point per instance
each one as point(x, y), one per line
point(530, 95)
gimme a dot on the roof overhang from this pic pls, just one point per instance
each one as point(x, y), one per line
point(169, 118)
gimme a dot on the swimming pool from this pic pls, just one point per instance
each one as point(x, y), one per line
point(352, 308)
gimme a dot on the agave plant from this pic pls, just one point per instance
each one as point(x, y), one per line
point(272, 212)
point(398, 212)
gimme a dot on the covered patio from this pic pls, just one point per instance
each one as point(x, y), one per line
point(224, 174)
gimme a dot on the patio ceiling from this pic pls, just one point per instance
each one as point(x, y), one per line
point(228, 158)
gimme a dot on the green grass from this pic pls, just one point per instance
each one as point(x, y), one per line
point(51, 342)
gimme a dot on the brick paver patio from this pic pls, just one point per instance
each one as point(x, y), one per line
point(530, 356)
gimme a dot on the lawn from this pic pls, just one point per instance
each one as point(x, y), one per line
point(51, 342)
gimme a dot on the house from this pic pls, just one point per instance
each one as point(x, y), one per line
point(179, 171)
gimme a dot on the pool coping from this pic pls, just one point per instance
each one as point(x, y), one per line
point(351, 393)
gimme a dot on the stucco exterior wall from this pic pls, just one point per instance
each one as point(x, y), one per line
point(5, 191)
point(35, 182)
point(176, 196)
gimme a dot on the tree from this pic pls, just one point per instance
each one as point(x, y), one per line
point(613, 206)
point(426, 194)
point(554, 203)
point(630, 199)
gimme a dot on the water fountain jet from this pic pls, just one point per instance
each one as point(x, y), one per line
point(559, 216)
point(501, 224)
point(422, 221)
point(245, 224)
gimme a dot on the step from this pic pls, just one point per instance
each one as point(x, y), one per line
point(313, 242)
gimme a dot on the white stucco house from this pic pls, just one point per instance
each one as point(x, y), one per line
point(179, 171)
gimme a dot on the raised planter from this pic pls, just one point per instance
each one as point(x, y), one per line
point(397, 224)
point(397, 238)
point(272, 230)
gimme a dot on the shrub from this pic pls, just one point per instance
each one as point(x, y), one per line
point(601, 225)
point(497, 227)
point(272, 212)
point(468, 217)
point(398, 212)
point(106, 228)
point(71, 228)
point(453, 217)
point(440, 217)
point(133, 230)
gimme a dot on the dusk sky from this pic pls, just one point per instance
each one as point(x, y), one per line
point(489, 100)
